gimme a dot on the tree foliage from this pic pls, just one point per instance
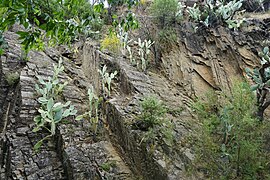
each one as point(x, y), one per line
point(59, 21)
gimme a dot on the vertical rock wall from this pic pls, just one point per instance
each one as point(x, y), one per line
point(74, 153)
point(90, 64)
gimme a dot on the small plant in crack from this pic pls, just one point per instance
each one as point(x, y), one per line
point(106, 80)
point(107, 166)
point(94, 102)
point(51, 111)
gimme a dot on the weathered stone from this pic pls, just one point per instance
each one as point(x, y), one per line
point(22, 131)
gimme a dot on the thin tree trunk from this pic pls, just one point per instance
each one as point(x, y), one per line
point(260, 113)
point(1, 92)
point(1, 70)
point(238, 161)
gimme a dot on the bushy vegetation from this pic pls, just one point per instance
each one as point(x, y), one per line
point(167, 38)
point(111, 43)
point(230, 142)
point(12, 78)
point(127, 22)
point(58, 21)
point(3, 43)
point(159, 130)
point(164, 12)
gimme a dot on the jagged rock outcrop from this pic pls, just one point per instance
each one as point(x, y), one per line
point(214, 59)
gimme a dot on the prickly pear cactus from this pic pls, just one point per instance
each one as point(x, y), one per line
point(261, 78)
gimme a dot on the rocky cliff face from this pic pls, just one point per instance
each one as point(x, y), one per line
point(201, 61)
point(213, 59)
point(73, 153)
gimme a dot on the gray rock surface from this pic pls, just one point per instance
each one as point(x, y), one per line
point(72, 153)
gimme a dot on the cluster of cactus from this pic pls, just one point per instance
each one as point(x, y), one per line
point(214, 9)
point(261, 78)
point(144, 50)
point(123, 36)
point(94, 102)
point(106, 80)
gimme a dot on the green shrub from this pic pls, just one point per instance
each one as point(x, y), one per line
point(111, 43)
point(12, 78)
point(57, 21)
point(164, 12)
point(152, 119)
point(153, 111)
point(167, 38)
point(2, 12)
point(3, 43)
point(229, 144)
